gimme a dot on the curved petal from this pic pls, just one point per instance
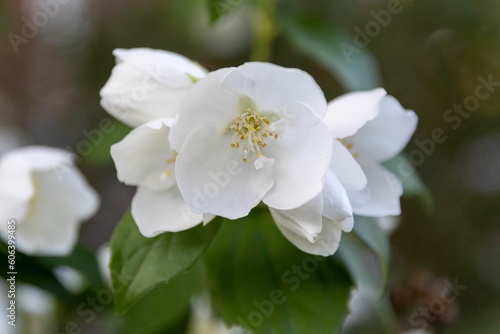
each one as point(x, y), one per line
point(214, 179)
point(156, 212)
point(385, 192)
point(302, 156)
point(326, 243)
point(387, 134)
point(76, 194)
point(144, 158)
point(275, 87)
point(346, 168)
point(51, 226)
point(337, 207)
point(205, 105)
point(316, 227)
point(349, 112)
point(306, 221)
point(147, 84)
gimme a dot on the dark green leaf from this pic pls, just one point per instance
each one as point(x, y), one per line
point(138, 264)
point(328, 44)
point(165, 307)
point(260, 281)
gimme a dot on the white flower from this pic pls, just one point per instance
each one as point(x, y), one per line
point(372, 128)
point(249, 134)
point(144, 159)
point(375, 128)
point(147, 84)
point(48, 198)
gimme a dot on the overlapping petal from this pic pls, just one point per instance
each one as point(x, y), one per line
point(316, 227)
point(387, 134)
point(156, 212)
point(385, 191)
point(144, 158)
point(349, 112)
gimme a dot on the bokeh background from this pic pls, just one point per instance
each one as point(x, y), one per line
point(430, 56)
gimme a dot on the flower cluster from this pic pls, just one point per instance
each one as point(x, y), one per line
point(220, 143)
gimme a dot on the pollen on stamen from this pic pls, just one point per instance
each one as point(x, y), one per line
point(250, 131)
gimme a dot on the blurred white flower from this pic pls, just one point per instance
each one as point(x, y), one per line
point(248, 134)
point(103, 255)
point(72, 279)
point(144, 159)
point(48, 198)
point(375, 128)
point(147, 84)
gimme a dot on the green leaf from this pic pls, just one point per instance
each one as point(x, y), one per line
point(138, 263)
point(219, 8)
point(171, 305)
point(260, 281)
point(412, 183)
point(329, 45)
point(366, 254)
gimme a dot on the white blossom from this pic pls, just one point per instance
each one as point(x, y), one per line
point(249, 134)
point(46, 196)
point(375, 128)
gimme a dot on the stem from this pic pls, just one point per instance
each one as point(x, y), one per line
point(264, 31)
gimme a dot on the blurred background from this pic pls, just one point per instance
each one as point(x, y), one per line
point(441, 59)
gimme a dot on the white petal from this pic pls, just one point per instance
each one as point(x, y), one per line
point(316, 227)
point(156, 212)
point(144, 157)
point(349, 112)
point(217, 181)
point(358, 198)
point(387, 134)
point(277, 86)
point(167, 67)
point(306, 221)
point(385, 191)
point(346, 168)
point(302, 156)
point(51, 226)
point(147, 84)
point(325, 244)
point(206, 105)
point(297, 114)
point(46, 158)
point(16, 188)
point(337, 206)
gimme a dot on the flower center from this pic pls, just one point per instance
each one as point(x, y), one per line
point(251, 130)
